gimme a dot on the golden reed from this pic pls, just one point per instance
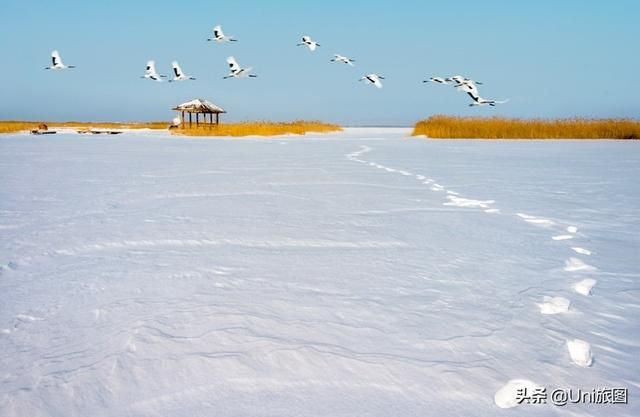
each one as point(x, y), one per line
point(503, 128)
point(299, 127)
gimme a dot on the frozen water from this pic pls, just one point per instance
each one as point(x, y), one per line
point(146, 275)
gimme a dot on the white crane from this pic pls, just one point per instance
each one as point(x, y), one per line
point(459, 79)
point(56, 62)
point(219, 36)
point(373, 79)
point(178, 74)
point(479, 101)
point(468, 87)
point(343, 59)
point(437, 80)
point(151, 73)
point(236, 71)
point(308, 42)
point(471, 89)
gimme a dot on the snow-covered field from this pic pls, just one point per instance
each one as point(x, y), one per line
point(357, 274)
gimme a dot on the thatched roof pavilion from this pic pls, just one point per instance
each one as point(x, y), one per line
point(200, 106)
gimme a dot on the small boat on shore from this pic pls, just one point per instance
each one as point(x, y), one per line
point(43, 129)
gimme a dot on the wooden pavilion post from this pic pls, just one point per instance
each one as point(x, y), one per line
point(189, 119)
point(217, 119)
point(182, 117)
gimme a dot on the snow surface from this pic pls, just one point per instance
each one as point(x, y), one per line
point(356, 274)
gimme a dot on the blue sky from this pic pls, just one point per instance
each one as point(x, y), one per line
point(551, 58)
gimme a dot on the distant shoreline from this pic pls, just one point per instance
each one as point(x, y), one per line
point(17, 126)
point(433, 128)
point(254, 128)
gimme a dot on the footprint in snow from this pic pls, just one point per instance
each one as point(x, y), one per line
point(581, 251)
point(554, 305)
point(577, 265)
point(25, 318)
point(580, 352)
point(585, 286)
point(539, 221)
point(509, 395)
point(562, 237)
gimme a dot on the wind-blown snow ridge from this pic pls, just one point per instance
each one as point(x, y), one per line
point(282, 243)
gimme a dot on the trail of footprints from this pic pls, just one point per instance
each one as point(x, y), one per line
point(579, 350)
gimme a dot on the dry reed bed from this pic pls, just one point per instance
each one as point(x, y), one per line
point(11, 126)
point(227, 129)
point(503, 128)
point(299, 127)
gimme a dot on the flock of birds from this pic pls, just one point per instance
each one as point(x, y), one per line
point(463, 84)
point(466, 85)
